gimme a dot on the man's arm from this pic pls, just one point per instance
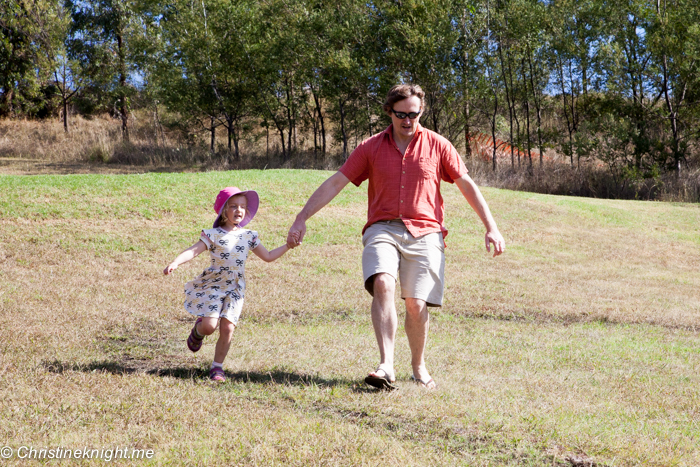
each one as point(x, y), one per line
point(476, 200)
point(322, 196)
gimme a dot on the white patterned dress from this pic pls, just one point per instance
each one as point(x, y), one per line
point(219, 291)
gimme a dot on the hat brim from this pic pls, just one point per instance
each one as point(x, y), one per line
point(251, 210)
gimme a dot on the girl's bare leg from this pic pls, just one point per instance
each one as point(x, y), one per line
point(226, 329)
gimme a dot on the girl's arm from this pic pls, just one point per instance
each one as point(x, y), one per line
point(190, 253)
point(269, 256)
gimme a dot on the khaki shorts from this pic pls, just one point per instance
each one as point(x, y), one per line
point(418, 263)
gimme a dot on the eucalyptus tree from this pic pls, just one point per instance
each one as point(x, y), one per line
point(525, 68)
point(470, 23)
point(633, 75)
point(66, 72)
point(25, 27)
point(357, 72)
point(100, 39)
point(508, 40)
point(231, 81)
point(265, 38)
point(573, 27)
point(535, 42)
point(418, 37)
point(181, 70)
point(314, 24)
point(201, 70)
point(494, 78)
point(674, 41)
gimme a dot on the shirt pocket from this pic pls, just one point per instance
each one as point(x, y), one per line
point(427, 166)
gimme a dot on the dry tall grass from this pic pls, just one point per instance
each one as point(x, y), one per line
point(46, 141)
point(28, 146)
point(589, 180)
point(96, 145)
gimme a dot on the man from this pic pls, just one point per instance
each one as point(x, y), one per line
point(403, 237)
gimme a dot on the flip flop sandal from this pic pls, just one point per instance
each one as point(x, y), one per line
point(425, 384)
point(379, 382)
point(217, 374)
point(193, 342)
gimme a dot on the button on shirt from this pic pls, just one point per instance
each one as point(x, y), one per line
point(405, 187)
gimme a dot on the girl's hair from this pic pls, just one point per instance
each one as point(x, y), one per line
point(224, 219)
point(401, 92)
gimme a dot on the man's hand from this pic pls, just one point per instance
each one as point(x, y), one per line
point(499, 245)
point(296, 233)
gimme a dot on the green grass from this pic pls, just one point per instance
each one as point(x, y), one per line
point(580, 341)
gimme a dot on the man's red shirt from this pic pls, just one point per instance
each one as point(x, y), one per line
point(405, 187)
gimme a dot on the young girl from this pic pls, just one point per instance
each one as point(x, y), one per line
point(216, 296)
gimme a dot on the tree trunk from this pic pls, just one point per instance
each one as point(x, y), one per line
point(560, 64)
point(284, 149)
point(467, 129)
point(537, 107)
point(236, 139)
point(323, 125)
point(212, 129)
point(229, 130)
point(123, 106)
point(65, 112)
point(493, 127)
point(290, 119)
point(433, 113)
point(369, 118)
point(527, 110)
point(510, 106)
point(466, 109)
point(341, 104)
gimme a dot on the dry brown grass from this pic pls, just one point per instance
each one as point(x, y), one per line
point(590, 179)
point(96, 146)
point(581, 342)
point(46, 141)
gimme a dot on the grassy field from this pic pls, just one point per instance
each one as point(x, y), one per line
point(579, 346)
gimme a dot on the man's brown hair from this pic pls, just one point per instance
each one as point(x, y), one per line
point(401, 92)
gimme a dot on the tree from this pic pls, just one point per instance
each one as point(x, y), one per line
point(66, 73)
point(99, 39)
point(674, 41)
point(25, 26)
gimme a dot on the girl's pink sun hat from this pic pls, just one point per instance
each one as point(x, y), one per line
point(226, 193)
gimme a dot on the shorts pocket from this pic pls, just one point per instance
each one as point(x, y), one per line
point(367, 234)
point(435, 240)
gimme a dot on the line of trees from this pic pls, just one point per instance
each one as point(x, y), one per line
point(615, 80)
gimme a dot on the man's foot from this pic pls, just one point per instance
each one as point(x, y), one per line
point(381, 379)
point(217, 374)
point(194, 340)
point(426, 383)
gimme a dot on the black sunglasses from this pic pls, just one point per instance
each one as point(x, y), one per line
point(403, 115)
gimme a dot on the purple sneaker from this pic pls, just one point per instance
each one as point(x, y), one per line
point(217, 374)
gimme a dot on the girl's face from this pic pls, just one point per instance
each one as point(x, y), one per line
point(235, 209)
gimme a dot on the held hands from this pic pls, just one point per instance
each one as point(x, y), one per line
point(296, 234)
point(499, 244)
point(293, 240)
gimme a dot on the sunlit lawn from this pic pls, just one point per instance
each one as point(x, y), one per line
point(580, 343)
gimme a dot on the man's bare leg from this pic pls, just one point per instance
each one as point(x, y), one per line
point(417, 326)
point(385, 322)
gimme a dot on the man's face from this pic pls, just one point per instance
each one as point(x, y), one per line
point(406, 127)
